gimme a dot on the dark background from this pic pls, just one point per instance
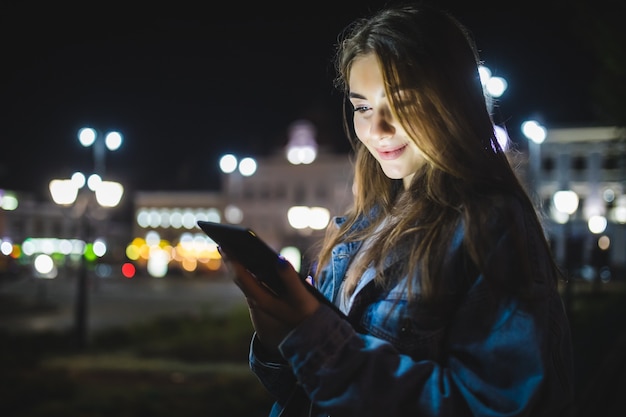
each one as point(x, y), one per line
point(185, 84)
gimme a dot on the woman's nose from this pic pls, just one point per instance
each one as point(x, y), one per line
point(382, 124)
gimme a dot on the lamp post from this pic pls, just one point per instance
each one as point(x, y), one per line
point(71, 192)
point(233, 172)
point(88, 136)
point(565, 203)
point(493, 86)
point(536, 135)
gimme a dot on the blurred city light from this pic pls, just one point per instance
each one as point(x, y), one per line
point(113, 140)
point(99, 248)
point(566, 201)
point(302, 146)
point(8, 200)
point(293, 255)
point(175, 218)
point(64, 192)
point(604, 242)
point(247, 166)
point(94, 181)
point(45, 267)
point(228, 163)
point(128, 270)
point(109, 193)
point(233, 214)
point(6, 247)
point(496, 86)
point(534, 131)
point(87, 137)
point(597, 224)
point(302, 217)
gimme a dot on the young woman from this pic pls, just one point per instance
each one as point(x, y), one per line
point(441, 266)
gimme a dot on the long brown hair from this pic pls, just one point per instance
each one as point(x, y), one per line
point(432, 57)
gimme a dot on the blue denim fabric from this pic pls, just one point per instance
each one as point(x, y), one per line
point(495, 358)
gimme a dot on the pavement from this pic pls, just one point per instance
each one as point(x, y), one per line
point(598, 321)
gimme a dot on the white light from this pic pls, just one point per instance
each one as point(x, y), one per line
point(566, 201)
point(534, 131)
point(176, 219)
point(189, 220)
point(152, 238)
point(65, 246)
point(301, 154)
point(228, 163)
point(6, 248)
point(619, 214)
point(164, 218)
point(233, 214)
point(93, 182)
point(143, 218)
point(293, 255)
point(302, 146)
point(597, 224)
point(157, 263)
point(47, 246)
point(113, 140)
point(293, 155)
point(78, 179)
point(484, 73)
point(78, 246)
point(109, 193)
point(28, 247)
point(99, 248)
point(86, 136)
point(8, 202)
point(496, 86)
point(44, 265)
point(247, 167)
point(186, 240)
point(501, 136)
point(63, 192)
point(213, 215)
point(318, 218)
point(298, 217)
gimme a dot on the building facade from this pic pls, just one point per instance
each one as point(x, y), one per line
point(589, 163)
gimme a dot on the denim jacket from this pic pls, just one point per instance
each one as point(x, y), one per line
point(493, 358)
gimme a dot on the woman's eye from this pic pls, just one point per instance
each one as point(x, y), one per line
point(361, 109)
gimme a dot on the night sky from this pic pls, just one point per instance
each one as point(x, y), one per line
point(185, 85)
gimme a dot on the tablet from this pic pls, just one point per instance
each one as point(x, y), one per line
point(244, 246)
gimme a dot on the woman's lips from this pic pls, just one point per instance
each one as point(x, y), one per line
point(389, 154)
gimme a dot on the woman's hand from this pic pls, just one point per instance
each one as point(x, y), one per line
point(272, 316)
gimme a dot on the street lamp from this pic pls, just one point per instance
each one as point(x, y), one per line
point(302, 146)
point(536, 135)
point(88, 136)
point(69, 192)
point(493, 87)
point(234, 170)
point(565, 203)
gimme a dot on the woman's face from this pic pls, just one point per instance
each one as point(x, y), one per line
point(375, 124)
